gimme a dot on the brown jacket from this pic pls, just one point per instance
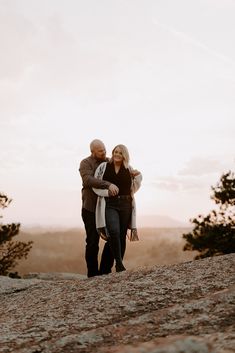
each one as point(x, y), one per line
point(87, 170)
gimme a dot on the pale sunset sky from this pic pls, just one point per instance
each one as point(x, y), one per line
point(155, 75)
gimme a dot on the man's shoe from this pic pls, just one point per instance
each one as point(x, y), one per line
point(105, 272)
point(120, 268)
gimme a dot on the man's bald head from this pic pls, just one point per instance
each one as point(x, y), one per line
point(98, 149)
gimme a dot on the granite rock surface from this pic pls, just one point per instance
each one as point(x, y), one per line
point(183, 308)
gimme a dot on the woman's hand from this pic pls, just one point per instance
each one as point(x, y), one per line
point(134, 172)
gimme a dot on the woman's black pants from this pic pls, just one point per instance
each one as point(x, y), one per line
point(117, 217)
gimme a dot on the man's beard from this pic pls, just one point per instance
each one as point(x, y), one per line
point(101, 159)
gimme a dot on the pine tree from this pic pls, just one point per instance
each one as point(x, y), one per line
point(215, 234)
point(10, 250)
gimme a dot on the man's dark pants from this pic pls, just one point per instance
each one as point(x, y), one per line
point(92, 248)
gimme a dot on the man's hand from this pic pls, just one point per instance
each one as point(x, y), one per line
point(113, 190)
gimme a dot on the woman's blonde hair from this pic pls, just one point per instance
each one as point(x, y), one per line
point(125, 154)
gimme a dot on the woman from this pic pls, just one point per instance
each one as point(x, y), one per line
point(115, 214)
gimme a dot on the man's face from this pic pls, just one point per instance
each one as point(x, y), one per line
point(99, 152)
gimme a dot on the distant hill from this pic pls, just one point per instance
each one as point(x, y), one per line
point(159, 221)
point(143, 221)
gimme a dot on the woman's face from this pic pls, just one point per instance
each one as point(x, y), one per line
point(117, 155)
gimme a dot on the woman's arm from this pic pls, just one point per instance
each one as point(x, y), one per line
point(136, 182)
point(136, 179)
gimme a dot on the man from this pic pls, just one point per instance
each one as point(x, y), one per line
point(87, 169)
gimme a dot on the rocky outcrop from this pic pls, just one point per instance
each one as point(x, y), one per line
point(54, 275)
point(188, 307)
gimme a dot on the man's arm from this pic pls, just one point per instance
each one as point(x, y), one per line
point(88, 179)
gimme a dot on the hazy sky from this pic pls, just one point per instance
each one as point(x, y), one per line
point(156, 75)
